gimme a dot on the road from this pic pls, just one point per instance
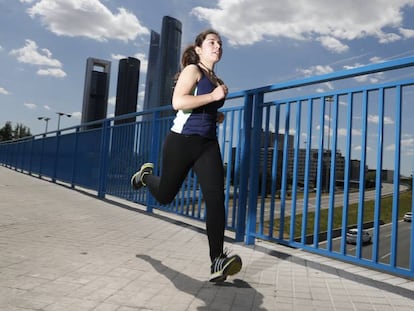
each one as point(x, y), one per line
point(387, 189)
point(384, 246)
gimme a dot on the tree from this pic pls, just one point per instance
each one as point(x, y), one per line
point(21, 131)
point(8, 133)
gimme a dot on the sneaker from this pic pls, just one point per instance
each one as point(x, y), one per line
point(223, 266)
point(136, 179)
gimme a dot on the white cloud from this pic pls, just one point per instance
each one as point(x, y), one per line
point(76, 115)
point(30, 54)
point(388, 37)
point(112, 100)
point(375, 119)
point(117, 56)
point(343, 132)
point(407, 142)
point(330, 22)
point(407, 33)
point(4, 91)
point(316, 70)
point(372, 78)
point(30, 106)
point(87, 18)
point(54, 72)
point(141, 94)
point(143, 61)
point(390, 147)
point(140, 56)
point(359, 148)
point(333, 44)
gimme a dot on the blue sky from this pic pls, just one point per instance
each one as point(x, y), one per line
point(44, 44)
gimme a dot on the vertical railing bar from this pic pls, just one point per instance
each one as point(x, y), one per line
point(264, 149)
point(411, 258)
point(378, 179)
point(31, 155)
point(307, 171)
point(361, 201)
point(254, 168)
point(104, 154)
point(236, 171)
point(332, 178)
point(285, 172)
point(396, 190)
point(244, 170)
point(295, 171)
point(275, 166)
point(319, 175)
point(228, 171)
point(347, 174)
point(75, 161)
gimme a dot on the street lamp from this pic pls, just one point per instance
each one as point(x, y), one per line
point(59, 115)
point(46, 119)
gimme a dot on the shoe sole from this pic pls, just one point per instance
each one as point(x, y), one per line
point(231, 268)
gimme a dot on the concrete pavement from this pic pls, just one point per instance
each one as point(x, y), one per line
point(64, 249)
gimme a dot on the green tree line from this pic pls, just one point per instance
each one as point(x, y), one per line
point(7, 132)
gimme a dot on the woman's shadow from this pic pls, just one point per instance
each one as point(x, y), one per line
point(239, 293)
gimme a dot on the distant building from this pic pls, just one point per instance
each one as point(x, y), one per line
point(96, 89)
point(152, 71)
point(127, 88)
point(163, 63)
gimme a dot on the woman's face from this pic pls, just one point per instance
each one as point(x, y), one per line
point(210, 51)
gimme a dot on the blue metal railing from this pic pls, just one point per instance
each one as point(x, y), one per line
point(302, 167)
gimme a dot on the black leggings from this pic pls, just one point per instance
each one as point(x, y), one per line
point(180, 154)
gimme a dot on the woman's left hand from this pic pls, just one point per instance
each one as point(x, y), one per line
point(220, 117)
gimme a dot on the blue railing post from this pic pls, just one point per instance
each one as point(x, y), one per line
point(285, 173)
point(332, 174)
point(378, 177)
point(244, 167)
point(396, 178)
point(31, 155)
point(41, 156)
point(154, 150)
point(254, 156)
point(56, 157)
point(104, 153)
point(75, 157)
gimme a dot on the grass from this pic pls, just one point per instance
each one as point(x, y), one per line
point(369, 210)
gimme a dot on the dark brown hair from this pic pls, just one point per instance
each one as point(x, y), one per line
point(189, 55)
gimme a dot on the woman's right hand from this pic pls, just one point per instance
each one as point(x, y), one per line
point(219, 92)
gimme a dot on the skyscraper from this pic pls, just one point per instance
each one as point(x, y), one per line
point(152, 70)
point(169, 58)
point(163, 63)
point(127, 88)
point(96, 89)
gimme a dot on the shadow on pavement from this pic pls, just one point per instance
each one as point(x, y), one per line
point(239, 293)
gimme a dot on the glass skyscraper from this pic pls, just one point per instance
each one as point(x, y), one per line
point(96, 89)
point(152, 71)
point(163, 63)
point(127, 88)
